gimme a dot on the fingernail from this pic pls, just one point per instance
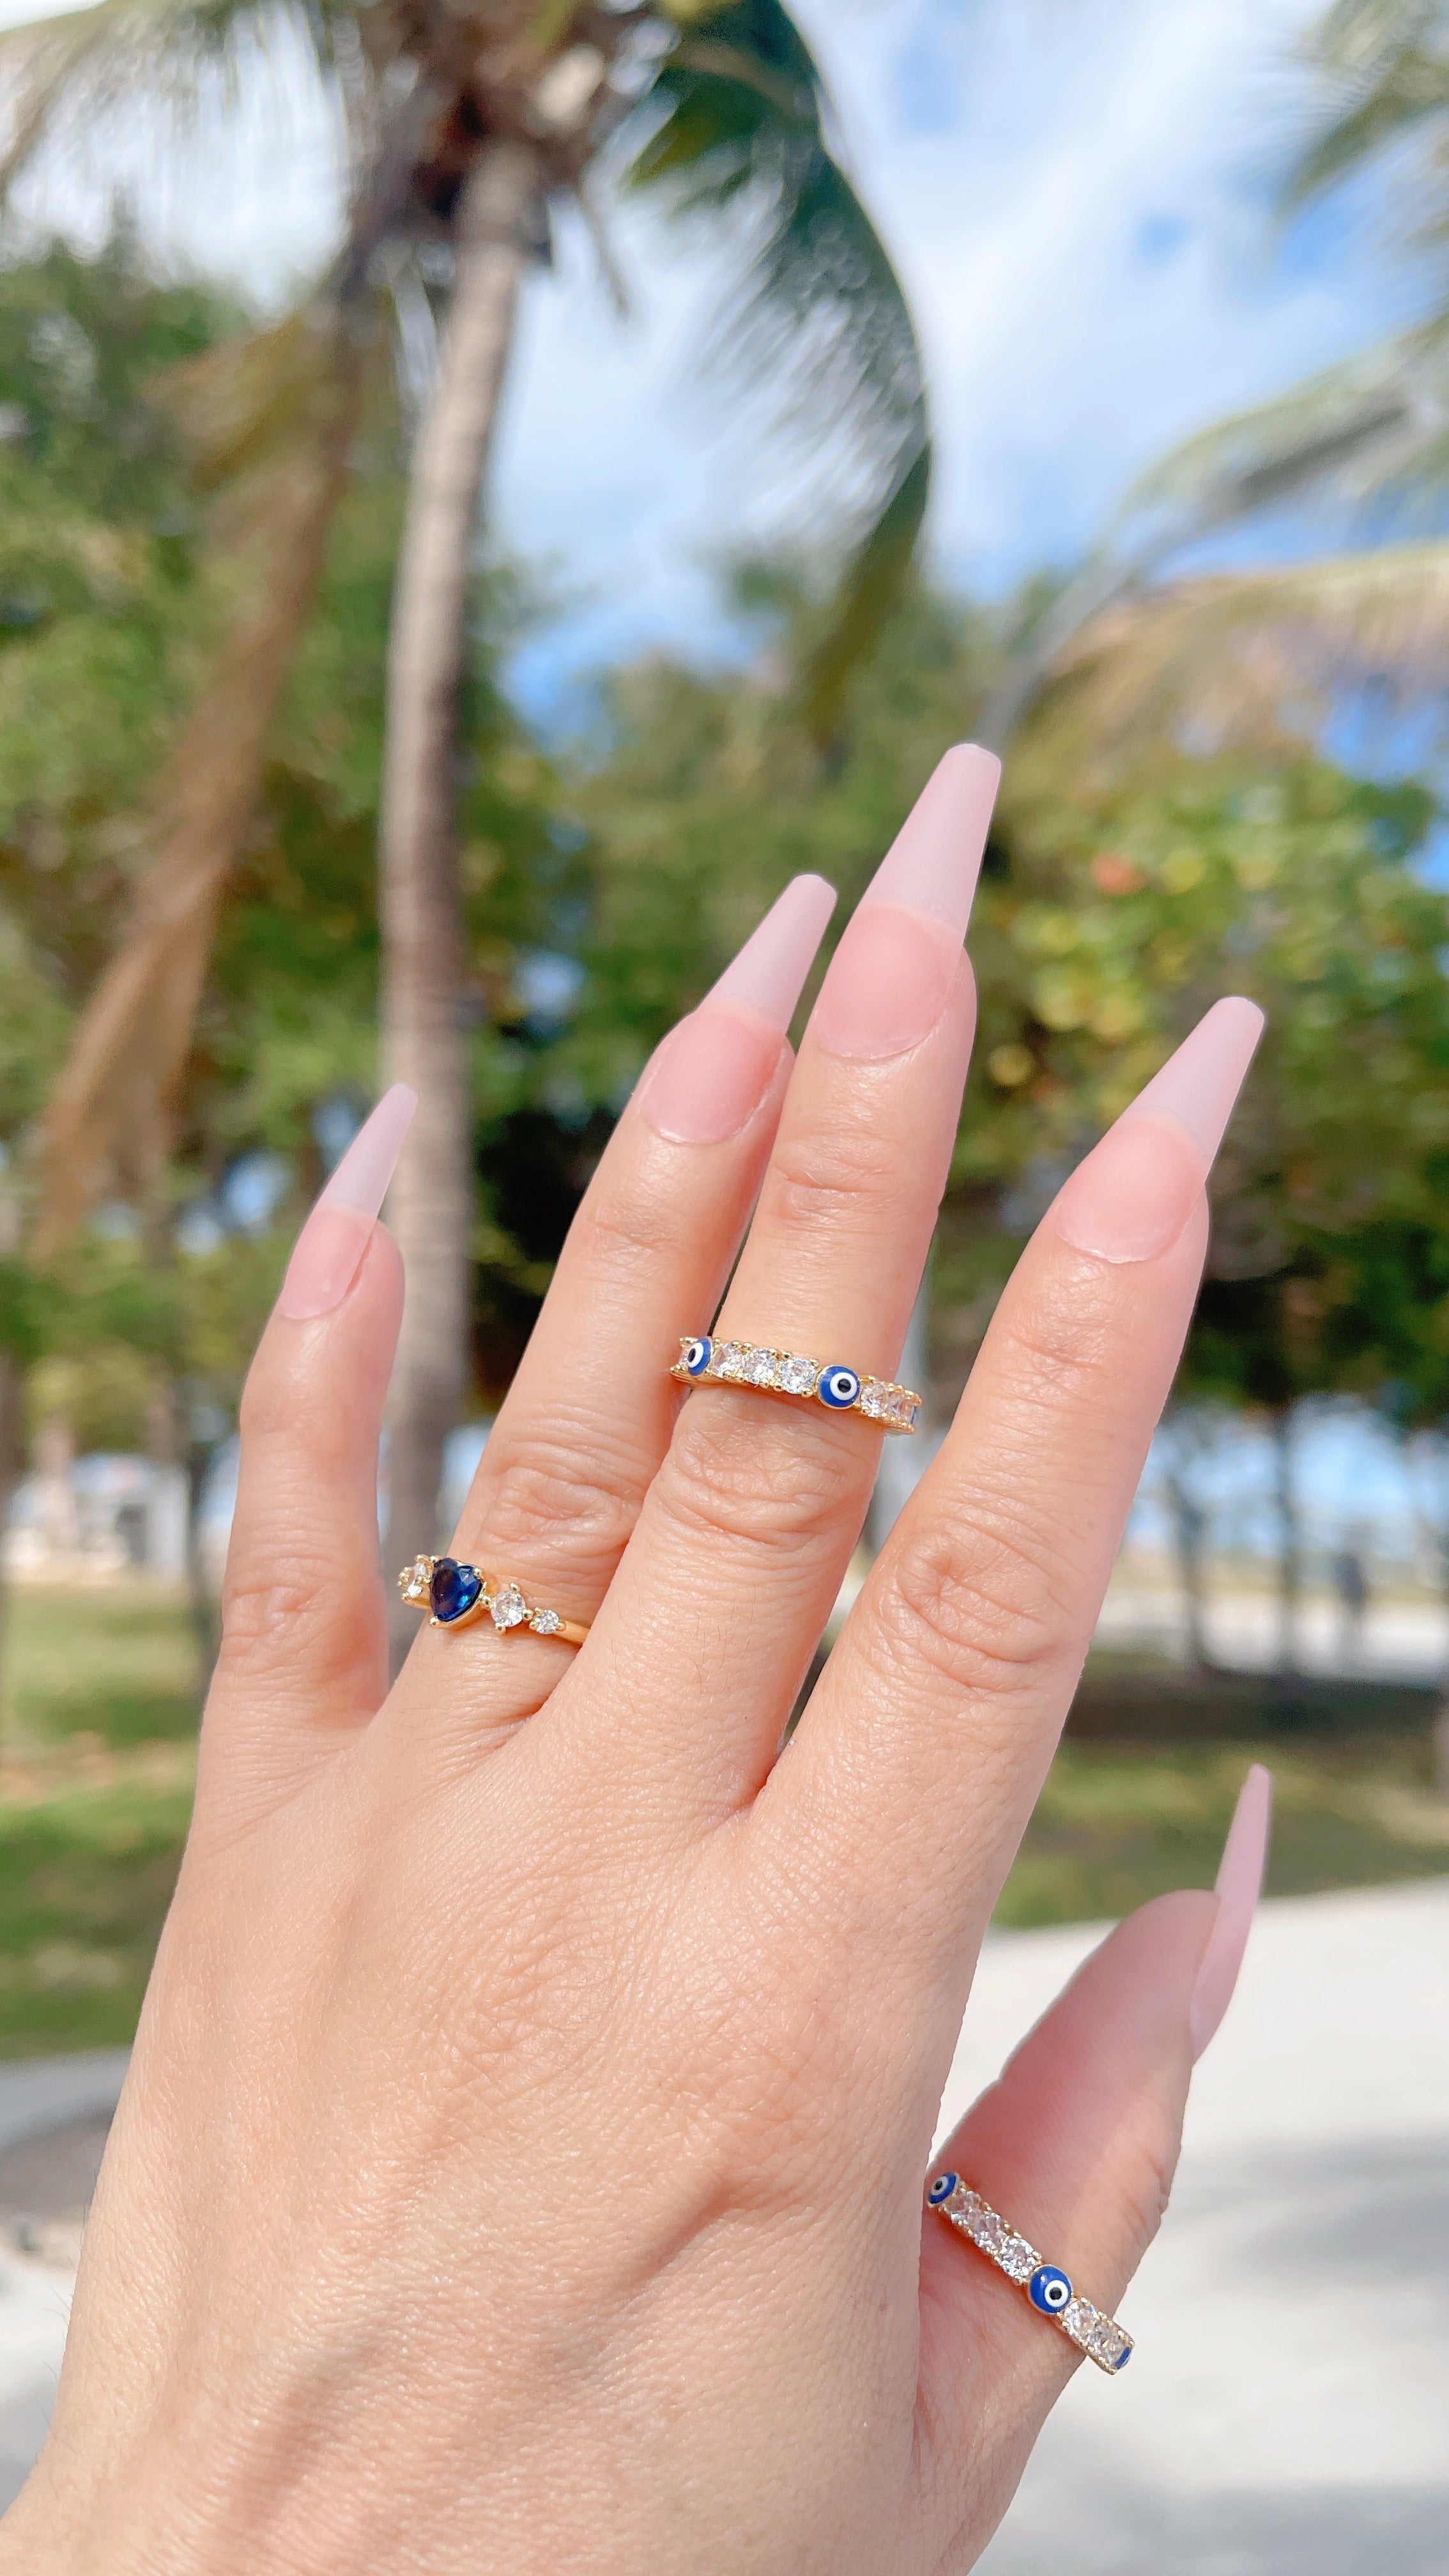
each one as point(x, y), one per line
point(712, 1072)
point(1239, 1885)
point(1131, 1198)
point(327, 1254)
point(895, 968)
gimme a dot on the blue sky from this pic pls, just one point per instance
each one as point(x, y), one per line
point(1076, 192)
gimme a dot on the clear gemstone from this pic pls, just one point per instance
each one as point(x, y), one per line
point(1107, 2342)
point(1079, 2317)
point(508, 1609)
point(727, 1360)
point(875, 1400)
point(987, 2230)
point(759, 1368)
point(545, 1623)
point(798, 1377)
point(415, 1579)
point(1018, 2259)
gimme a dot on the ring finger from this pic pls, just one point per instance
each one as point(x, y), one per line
point(589, 1414)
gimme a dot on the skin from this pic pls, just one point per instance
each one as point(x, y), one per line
point(521, 2164)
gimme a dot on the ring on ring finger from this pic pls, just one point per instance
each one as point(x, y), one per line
point(457, 1595)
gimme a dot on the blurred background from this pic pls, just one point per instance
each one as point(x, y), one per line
point(821, 385)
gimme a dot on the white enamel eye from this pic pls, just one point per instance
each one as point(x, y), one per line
point(1049, 2289)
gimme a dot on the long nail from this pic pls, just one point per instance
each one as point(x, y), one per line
point(710, 1075)
point(328, 1252)
point(898, 962)
point(1131, 1198)
point(1239, 1885)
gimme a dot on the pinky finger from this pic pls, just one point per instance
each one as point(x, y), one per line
point(303, 1650)
point(1076, 2146)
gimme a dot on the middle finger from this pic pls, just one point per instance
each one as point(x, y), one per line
point(730, 1576)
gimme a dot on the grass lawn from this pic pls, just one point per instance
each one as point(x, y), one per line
point(97, 1768)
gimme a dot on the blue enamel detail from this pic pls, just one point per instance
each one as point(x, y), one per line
point(839, 1388)
point(696, 1355)
point(1122, 2359)
point(1049, 2289)
point(941, 2189)
point(454, 1590)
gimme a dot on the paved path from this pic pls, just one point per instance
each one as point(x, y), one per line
point(1287, 2410)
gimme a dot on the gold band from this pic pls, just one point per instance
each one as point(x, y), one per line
point(458, 1595)
point(703, 1362)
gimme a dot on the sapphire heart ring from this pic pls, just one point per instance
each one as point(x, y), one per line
point(1046, 2284)
point(457, 1595)
point(703, 1362)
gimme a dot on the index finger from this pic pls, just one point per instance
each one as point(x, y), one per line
point(922, 1752)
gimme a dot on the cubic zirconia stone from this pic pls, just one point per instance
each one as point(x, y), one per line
point(728, 1360)
point(414, 1580)
point(1018, 2259)
point(1079, 2317)
point(903, 1407)
point(545, 1623)
point(508, 1609)
point(1107, 2342)
point(759, 1368)
point(987, 2231)
point(797, 1377)
point(875, 1400)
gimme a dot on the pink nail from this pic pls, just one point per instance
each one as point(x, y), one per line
point(1239, 1885)
point(895, 968)
point(710, 1075)
point(1131, 1198)
point(327, 1254)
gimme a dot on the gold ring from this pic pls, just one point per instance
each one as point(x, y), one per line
point(703, 1362)
point(457, 1595)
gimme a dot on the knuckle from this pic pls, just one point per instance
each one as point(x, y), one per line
point(980, 1606)
point(274, 1617)
point(769, 1485)
point(835, 1176)
point(555, 1487)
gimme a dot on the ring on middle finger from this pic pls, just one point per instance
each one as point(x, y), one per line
point(841, 1389)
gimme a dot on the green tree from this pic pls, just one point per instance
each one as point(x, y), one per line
point(460, 131)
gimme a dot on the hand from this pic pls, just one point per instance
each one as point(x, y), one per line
point(521, 2162)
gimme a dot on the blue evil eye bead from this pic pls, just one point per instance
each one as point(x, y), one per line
point(940, 2190)
point(695, 1354)
point(454, 1590)
point(1049, 2289)
point(839, 1388)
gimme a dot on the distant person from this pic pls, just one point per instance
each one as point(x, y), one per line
point(525, 2161)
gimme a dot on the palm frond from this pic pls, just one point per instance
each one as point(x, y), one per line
point(818, 323)
point(1385, 67)
point(1251, 657)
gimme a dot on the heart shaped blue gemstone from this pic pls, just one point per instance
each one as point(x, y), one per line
point(454, 1589)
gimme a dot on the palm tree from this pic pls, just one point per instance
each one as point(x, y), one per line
point(461, 128)
point(1365, 443)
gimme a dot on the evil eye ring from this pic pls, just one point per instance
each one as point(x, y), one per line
point(703, 1362)
point(1046, 2284)
point(457, 1596)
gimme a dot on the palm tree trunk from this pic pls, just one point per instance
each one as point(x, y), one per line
point(109, 1115)
point(420, 902)
point(1290, 1545)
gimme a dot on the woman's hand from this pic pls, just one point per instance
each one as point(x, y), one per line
point(521, 2161)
